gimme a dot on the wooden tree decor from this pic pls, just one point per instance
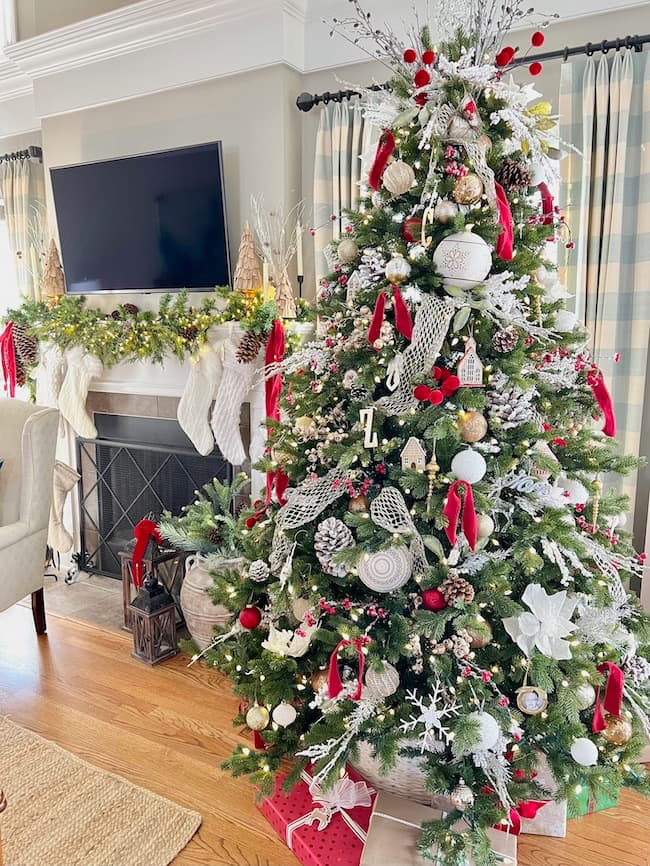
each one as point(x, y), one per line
point(247, 271)
point(53, 282)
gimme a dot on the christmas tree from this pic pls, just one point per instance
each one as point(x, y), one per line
point(439, 593)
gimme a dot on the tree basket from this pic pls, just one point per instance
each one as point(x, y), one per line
point(405, 779)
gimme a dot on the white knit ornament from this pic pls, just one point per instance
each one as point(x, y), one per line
point(82, 368)
point(194, 407)
point(65, 478)
point(385, 570)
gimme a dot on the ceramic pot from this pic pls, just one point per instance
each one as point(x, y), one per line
point(201, 615)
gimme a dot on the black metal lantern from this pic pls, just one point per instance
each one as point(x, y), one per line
point(153, 622)
point(166, 563)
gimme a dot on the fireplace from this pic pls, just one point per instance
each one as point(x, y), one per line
point(137, 466)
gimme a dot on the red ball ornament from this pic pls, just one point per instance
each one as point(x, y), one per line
point(250, 617)
point(422, 78)
point(535, 68)
point(504, 57)
point(433, 599)
point(428, 58)
point(436, 397)
point(410, 56)
point(421, 393)
point(412, 229)
point(421, 99)
point(537, 39)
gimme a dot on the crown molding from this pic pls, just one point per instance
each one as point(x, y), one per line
point(13, 82)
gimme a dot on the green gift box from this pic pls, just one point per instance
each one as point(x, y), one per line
point(589, 802)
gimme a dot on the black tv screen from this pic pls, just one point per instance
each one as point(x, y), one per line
point(154, 222)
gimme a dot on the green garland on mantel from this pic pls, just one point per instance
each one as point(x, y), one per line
point(128, 335)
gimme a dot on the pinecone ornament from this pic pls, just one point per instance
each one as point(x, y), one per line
point(458, 644)
point(131, 309)
point(508, 405)
point(359, 394)
point(21, 372)
point(189, 332)
point(214, 536)
point(505, 341)
point(331, 536)
point(513, 175)
point(258, 571)
point(456, 588)
point(637, 669)
point(249, 346)
point(25, 345)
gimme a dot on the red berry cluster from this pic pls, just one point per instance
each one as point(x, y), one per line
point(353, 492)
point(422, 76)
point(506, 55)
point(449, 384)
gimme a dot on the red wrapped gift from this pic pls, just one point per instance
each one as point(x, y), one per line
point(322, 828)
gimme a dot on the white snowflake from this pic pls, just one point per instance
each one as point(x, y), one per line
point(441, 706)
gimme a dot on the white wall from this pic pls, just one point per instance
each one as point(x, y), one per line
point(40, 16)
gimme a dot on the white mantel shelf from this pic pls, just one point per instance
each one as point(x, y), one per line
point(143, 377)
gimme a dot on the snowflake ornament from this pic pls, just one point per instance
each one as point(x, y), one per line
point(434, 734)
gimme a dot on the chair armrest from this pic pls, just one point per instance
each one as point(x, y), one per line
point(12, 533)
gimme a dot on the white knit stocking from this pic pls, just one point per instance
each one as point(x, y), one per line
point(194, 407)
point(50, 375)
point(236, 382)
point(65, 479)
point(82, 368)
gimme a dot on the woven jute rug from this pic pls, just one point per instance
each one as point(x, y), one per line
point(64, 812)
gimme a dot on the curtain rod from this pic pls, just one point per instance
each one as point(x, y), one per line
point(306, 101)
point(32, 152)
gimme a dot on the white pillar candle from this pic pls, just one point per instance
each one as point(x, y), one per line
point(299, 263)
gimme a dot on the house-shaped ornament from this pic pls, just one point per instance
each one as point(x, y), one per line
point(414, 456)
point(470, 367)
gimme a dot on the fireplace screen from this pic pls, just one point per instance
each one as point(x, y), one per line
point(136, 466)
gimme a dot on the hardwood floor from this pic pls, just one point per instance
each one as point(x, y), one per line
point(168, 728)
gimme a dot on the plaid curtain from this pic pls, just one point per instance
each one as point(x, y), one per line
point(342, 139)
point(22, 188)
point(605, 115)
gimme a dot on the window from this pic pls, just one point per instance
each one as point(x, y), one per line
point(9, 294)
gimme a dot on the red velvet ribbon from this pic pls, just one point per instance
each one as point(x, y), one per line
point(505, 241)
point(334, 683)
point(277, 480)
point(526, 809)
point(385, 149)
point(452, 512)
point(403, 321)
point(143, 532)
point(547, 203)
point(613, 696)
point(8, 354)
point(604, 399)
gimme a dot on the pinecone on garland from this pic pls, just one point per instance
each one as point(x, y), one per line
point(456, 588)
point(258, 571)
point(25, 345)
point(637, 669)
point(249, 346)
point(131, 309)
point(21, 373)
point(513, 175)
point(214, 536)
point(189, 333)
point(331, 536)
point(505, 341)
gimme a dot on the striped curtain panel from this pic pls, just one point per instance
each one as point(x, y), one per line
point(342, 139)
point(22, 188)
point(605, 115)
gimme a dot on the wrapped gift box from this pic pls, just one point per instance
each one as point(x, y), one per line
point(322, 828)
point(551, 818)
point(588, 803)
point(395, 832)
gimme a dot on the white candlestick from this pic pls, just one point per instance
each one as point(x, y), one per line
point(299, 263)
point(265, 281)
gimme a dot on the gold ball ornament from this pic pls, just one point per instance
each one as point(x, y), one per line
point(472, 426)
point(462, 796)
point(398, 177)
point(257, 718)
point(358, 504)
point(398, 269)
point(348, 251)
point(479, 640)
point(305, 424)
point(618, 731)
point(318, 679)
point(468, 190)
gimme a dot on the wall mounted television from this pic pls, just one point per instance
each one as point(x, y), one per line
point(153, 222)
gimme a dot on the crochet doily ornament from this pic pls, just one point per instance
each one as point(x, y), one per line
point(386, 570)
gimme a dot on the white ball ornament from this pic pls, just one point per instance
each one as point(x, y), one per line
point(565, 321)
point(485, 525)
point(398, 177)
point(385, 570)
point(348, 251)
point(469, 465)
point(417, 252)
point(284, 715)
point(445, 210)
point(257, 718)
point(585, 695)
point(463, 259)
point(382, 683)
point(489, 731)
point(299, 607)
point(398, 270)
point(577, 493)
point(584, 752)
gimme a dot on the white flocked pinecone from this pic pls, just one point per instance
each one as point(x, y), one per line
point(258, 571)
point(331, 536)
point(637, 669)
point(508, 405)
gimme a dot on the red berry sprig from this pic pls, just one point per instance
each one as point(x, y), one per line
point(449, 384)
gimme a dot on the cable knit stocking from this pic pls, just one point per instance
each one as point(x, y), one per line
point(82, 368)
point(65, 479)
point(194, 407)
point(236, 382)
point(50, 374)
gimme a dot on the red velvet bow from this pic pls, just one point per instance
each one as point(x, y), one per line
point(613, 696)
point(334, 684)
point(604, 399)
point(385, 149)
point(505, 241)
point(403, 321)
point(452, 512)
point(143, 532)
point(8, 354)
point(277, 480)
point(547, 203)
point(526, 809)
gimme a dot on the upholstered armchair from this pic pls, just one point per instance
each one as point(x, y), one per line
point(27, 446)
